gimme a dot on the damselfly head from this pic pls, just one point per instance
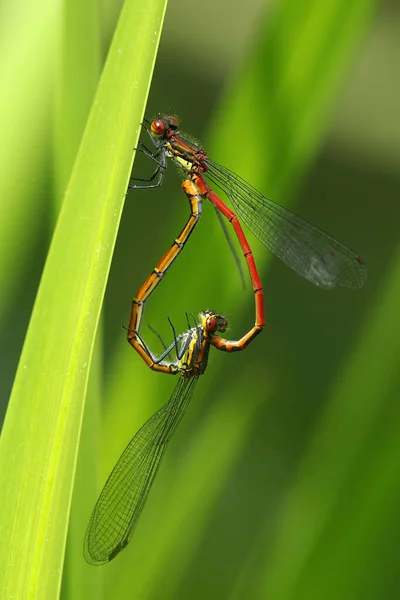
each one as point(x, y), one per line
point(164, 125)
point(213, 322)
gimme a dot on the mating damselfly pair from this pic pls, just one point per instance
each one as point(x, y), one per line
point(309, 251)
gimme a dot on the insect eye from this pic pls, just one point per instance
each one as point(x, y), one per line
point(157, 127)
point(211, 324)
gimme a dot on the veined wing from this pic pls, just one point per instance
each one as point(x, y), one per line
point(122, 499)
point(309, 251)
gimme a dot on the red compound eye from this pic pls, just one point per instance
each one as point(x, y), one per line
point(157, 127)
point(211, 324)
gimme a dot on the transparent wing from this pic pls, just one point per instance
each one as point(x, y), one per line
point(231, 247)
point(309, 251)
point(125, 492)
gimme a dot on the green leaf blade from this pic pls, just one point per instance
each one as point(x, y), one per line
point(40, 437)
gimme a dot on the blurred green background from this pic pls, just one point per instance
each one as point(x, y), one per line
point(282, 481)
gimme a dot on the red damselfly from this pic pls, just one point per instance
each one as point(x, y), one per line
point(309, 251)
